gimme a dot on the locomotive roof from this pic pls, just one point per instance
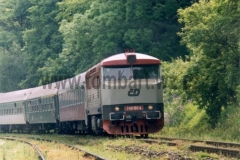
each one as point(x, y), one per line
point(121, 59)
point(14, 96)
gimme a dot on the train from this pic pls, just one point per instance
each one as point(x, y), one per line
point(121, 95)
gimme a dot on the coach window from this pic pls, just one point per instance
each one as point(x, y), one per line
point(63, 100)
point(29, 106)
point(46, 104)
point(52, 103)
point(43, 104)
point(70, 97)
point(83, 94)
point(74, 96)
point(49, 102)
point(52, 99)
point(40, 104)
point(59, 100)
point(66, 98)
point(79, 95)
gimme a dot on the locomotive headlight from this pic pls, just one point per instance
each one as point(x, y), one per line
point(116, 108)
point(150, 107)
point(131, 59)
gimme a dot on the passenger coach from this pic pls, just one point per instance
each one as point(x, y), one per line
point(12, 111)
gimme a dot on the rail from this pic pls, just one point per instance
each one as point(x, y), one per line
point(40, 155)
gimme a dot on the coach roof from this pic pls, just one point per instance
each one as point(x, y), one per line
point(42, 91)
point(14, 96)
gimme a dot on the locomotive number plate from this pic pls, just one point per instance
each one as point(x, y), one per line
point(133, 108)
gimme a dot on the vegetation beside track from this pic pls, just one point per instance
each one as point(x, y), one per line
point(112, 148)
point(10, 150)
point(191, 122)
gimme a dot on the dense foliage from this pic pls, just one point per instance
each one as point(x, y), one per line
point(58, 39)
point(43, 41)
point(211, 33)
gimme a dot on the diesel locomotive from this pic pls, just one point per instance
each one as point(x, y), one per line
point(121, 95)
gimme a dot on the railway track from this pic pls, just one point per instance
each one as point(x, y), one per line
point(41, 157)
point(214, 143)
point(228, 149)
point(218, 150)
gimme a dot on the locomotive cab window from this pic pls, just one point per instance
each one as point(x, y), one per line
point(117, 73)
point(146, 72)
point(131, 72)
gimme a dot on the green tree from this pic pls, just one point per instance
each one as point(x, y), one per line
point(42, 40)
point(211, 33)
point(12, 22)
point(106, 27)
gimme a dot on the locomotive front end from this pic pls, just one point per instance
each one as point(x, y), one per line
point(131, 94)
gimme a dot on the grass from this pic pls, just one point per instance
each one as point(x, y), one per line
point(10, 150)
point(102, 146)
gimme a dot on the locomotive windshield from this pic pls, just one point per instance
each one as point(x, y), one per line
point(131, 72)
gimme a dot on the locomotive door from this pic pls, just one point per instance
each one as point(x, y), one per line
point(93, 91)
